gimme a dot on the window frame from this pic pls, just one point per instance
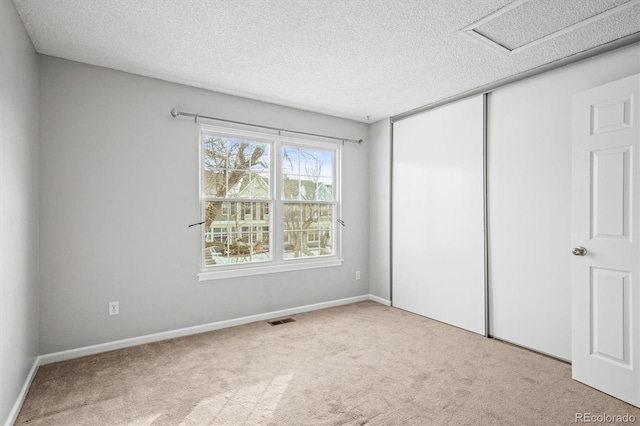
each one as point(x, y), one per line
point(276, 203)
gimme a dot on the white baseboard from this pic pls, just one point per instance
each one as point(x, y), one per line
point(17, 406)
point(380, 300)
point(141, 340)
point(135, 341)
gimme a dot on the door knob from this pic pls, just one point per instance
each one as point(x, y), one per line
point(579, 251)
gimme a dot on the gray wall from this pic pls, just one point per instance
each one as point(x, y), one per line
point(379, 208)
point(118, 187)
point(18, 207)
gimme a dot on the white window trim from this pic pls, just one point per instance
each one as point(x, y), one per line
point(259, 269)
point(278, 263)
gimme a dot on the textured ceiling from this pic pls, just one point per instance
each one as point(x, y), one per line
point(557, 16)
point(349, 58)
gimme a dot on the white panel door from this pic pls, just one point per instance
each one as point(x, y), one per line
point(438, 214)
point(606, 235)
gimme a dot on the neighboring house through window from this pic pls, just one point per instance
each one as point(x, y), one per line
point(267, 200)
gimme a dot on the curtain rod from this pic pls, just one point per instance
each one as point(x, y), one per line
point(175, 113)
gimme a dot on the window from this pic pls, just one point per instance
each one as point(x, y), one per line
point(269, 203)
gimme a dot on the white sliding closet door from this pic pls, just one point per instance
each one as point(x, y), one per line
point(438, 214)
point(529, 199)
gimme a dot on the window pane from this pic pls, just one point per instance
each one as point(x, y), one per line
point(292, 217)
point(309, 215)
point(213, 181)
point(310, 162)
point(239, 249)
point(325, 228)
point(307, 174)
point(215, 153)
point(239, 154)
point(291, 187)
point(215, 229)
point(307, 188)
point(310, 243)
point(260, 185)
point(236, 232)
point(290, 160)
point(308, 230)
point(292, 244)
point(325, 189)
point(237, 184)
point(235, 168)
point(260, 157)
point(260, 240)
point(325, 241)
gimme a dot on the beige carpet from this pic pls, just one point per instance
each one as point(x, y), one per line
point(360, 364)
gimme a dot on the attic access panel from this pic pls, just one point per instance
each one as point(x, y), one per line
point(519, 25)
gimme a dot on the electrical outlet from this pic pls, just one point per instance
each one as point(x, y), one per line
point(114, 308)
point(357, 275)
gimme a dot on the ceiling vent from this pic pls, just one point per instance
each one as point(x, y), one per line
point(527, 23)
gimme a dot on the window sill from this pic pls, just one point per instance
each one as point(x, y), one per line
point(207, 275)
